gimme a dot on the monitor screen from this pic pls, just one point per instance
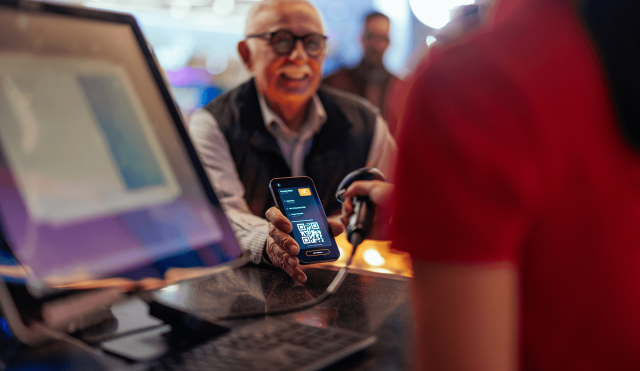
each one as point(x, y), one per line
point(97, 176)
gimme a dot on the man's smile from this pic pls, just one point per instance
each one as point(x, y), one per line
point(295, 75)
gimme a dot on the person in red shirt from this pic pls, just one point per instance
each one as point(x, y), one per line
point(518, 192)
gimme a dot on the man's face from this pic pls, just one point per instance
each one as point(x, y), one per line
point(288, 78)
point(375, 40)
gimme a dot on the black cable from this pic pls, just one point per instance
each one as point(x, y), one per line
point(331, 289)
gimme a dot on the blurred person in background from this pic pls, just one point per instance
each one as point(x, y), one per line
point(369, 79)
point(518, 192)
point(280, 124)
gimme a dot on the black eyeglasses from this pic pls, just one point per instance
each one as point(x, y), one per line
point(283, 42)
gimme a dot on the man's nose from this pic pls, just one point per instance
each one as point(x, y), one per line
point(299, 53)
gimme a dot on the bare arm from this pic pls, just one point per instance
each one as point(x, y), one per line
point(466, 316)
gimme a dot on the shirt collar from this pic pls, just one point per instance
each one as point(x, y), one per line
point(316, 117)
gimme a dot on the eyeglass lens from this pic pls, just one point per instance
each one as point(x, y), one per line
point(283, 42)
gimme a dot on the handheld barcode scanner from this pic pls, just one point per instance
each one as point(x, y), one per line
point(363, 210)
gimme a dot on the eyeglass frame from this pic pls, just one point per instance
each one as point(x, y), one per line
point(295, 41)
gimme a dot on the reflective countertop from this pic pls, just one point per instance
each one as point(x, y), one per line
point(367, 302)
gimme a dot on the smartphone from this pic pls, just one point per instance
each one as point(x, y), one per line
point(298, 200)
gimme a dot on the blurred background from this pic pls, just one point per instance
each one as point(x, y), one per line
point(195, 40)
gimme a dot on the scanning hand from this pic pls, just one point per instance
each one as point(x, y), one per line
point(379, 193)
point(282, 248)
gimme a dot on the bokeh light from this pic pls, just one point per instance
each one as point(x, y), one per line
point(217, 63)
point(435, 13)
point(180, 8)
point(373, 257)
point(223, 7)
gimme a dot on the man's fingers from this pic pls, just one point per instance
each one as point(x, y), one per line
point(273, 255)
point(281, 247)
point(279, 254)
point(290, 260)
point(336, 227)
point(296, 273)
point(278, 220)
point(290, 265)
point(280, 258)
point(284, 240)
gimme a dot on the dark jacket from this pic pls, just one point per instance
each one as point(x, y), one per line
point(342, 145)
point(372, 83)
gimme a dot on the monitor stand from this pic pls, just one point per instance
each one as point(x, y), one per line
point(34, 322)
point(183, 322)
point(182, 330)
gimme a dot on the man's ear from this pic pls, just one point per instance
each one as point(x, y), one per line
point(245, 54)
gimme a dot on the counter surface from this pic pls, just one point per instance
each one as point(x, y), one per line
point(367, 302)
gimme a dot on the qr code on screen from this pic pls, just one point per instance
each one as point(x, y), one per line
point(310, 233)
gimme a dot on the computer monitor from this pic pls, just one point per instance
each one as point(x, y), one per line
point(98, 177)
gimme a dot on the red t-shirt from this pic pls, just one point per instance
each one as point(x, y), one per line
point(510, 151)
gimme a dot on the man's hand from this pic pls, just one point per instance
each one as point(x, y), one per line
point(282, 248)
point(380, 194)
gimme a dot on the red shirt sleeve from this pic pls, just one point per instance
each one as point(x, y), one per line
point(467, 180)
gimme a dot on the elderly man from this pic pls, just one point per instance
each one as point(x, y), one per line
point(280, 124)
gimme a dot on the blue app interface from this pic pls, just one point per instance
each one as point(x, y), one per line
point(306, 216)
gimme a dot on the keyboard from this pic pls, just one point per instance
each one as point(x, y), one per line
point(269, 345)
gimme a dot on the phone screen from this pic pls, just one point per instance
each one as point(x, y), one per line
point(305, 215)
point(299, 202)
